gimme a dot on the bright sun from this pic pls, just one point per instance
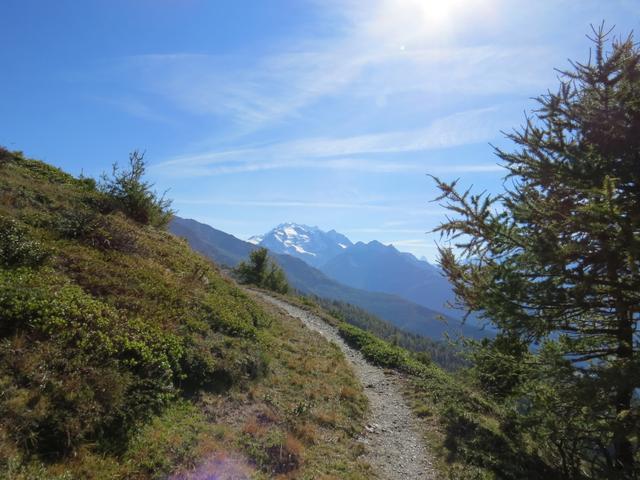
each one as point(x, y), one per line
point(444, 14)
point(411, 21)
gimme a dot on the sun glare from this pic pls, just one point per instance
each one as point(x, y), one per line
point(444, 15)
point(412, 22)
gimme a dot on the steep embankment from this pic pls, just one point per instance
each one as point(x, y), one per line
point(394, 442)
point(124, 354)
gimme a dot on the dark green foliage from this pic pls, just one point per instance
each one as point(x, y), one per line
point(261, 271)
point(500, 365)
point(555, 260)
point(479, 437)
point(77, 223)
point(276, 280)
point(255, 271)
point(445, 355)
point(484, 446)
point(78, 361)
point(134, 196)
point(5, 156)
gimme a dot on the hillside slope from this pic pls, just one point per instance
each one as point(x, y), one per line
point(229, 250)
point(381, 268)
point(125, 355)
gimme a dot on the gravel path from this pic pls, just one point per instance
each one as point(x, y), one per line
point(394, 446)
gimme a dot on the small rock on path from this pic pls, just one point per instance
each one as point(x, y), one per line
point(394, 446)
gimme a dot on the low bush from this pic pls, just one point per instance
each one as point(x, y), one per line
point(168, 440)
point(263, 272)
point(134, 195)
point(378, 351)
point(72, 366)
point(5, 156)
point(17, 248)
point(76, 223)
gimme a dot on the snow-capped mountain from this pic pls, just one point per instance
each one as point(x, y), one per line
point(372, 266)
point(310, 244)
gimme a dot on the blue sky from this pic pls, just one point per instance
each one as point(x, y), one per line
point(253, 113)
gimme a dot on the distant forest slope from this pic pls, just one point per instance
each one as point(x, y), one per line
point(446, 355)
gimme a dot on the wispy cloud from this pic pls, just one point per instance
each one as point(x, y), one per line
point(383, 48)
point(413, 243)
point(282, 204)
point(356, 153)
point(135, 107)
point(358, 165)
point(390, 230)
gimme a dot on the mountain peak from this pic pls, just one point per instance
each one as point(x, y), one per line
point(309, 243)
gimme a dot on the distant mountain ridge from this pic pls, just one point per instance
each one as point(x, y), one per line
point(372, 266)
point(382, 268)
point(228, 250)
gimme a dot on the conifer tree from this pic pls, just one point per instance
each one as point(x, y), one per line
point(261, 271)
point(555, 259)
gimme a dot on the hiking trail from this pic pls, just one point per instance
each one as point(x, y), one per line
point(395, 448)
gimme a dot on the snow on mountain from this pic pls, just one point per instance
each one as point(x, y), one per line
point(372, 266)
point(310, 244)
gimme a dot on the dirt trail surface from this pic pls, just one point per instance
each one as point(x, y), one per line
point(394, 447)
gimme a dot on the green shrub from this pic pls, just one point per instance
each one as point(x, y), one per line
point(273, 450)
point(71, 366)
point(16, 469)
point(17, 248)
point(105, 232)
point(5, 157)
point(134, 196)
point(76, 223)
point(378, 351)
point(262, 271)
point(170, 439)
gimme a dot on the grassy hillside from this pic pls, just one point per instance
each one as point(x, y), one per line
point(124, 354)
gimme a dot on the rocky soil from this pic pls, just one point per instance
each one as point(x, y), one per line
point(394, 446)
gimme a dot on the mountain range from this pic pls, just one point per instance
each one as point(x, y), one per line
point(410, 316)
point(369, 266)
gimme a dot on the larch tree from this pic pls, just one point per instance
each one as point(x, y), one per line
point(554, 260)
